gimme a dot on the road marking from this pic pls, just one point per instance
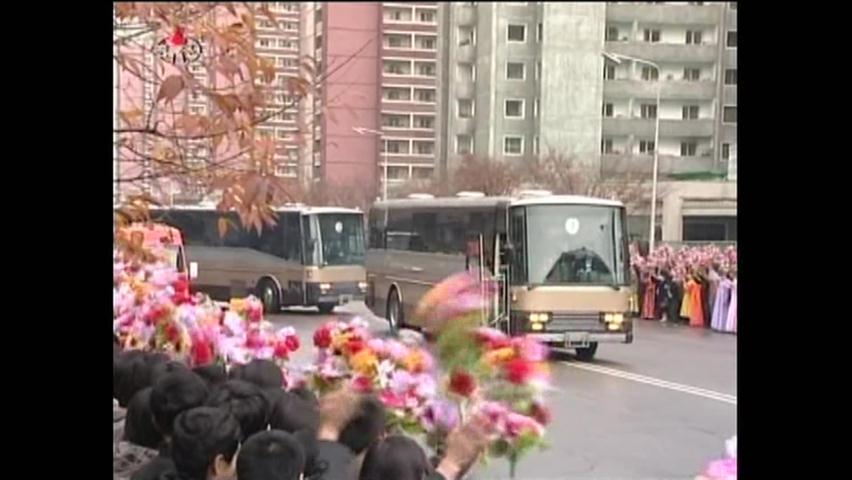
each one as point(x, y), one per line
point(678, 387)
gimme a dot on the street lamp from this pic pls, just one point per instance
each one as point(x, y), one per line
point(365, 131)
point(618, 58)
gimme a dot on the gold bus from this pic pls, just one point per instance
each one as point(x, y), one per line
point(560, 263)
point(313, 256)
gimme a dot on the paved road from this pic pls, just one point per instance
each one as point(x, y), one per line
point(657, 409)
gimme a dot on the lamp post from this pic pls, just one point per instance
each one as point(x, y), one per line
point(365, 131)
point(618, 58)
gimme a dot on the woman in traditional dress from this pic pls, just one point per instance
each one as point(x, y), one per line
point(731, 322)
point(648, 302)
point(696, 302)
point(686, 304)
point(720, 308)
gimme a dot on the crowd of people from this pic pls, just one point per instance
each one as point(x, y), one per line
point(692, 285)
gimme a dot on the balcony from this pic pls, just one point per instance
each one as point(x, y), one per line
point(625, 126)
point(687, 128)
point(467, 54)
point(465, 126)
point(663, 14)
point(665, 52)
point(465, 90)
point(466, 15)
point(670, 89)
point(670, 166)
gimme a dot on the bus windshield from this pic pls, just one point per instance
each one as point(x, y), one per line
point(575, 244)
point(341, 236)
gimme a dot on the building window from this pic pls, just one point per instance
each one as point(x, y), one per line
point(690, 112)
point(425, 69)
point(263, 42)
point(646, 146)
point(464, 144)
point(606, 145)
point(535, 145)
point(395, 121)
point(688, 148)
point(397, 68)
point(397, 146)
point(513, 145)
point(426, 16)
point(535, 107)
point(729, 114)
point(466, 72)
point(730, 76)
point(467, 36)
point(648, 110)
point(397, 94)
point(650, 73)
point(731, 41)
point(399, 41)
point(396, 172)
point(515, 71)
point(424, 95)
point(612, 34)
point(464, 108)
point(291, 26)
point(538, 70)
point(652, 36)
point(726, 151)
point(424, 122)
point(422, 147)
point(609, 72)
point(426, 43)
point(606, 111)
point(514, 109)
point(693, 37)
point(691, 74)
point(516, 33)
point(540, 32)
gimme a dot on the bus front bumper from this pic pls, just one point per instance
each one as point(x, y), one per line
point(339, 293)
point(581, 339)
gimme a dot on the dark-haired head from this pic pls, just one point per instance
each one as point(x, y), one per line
point(397, 457)
point(366, 427)
point(271, 455)
point(174, 393)
point(214, 374)
point(164, 368)
point(139, 425)
point(261, 372)
point(132, 370)
point(305, 394)
point(246, 401)
point(291, 413)
point(204, 443)
point(310, 445)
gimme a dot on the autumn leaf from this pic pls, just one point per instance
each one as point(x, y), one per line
point(171, 88)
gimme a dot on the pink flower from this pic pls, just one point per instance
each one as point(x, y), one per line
point(396, 350)
point(724, 469)
point(392, 399)
point(362, 384)
point(530, 349)
point(440, 415)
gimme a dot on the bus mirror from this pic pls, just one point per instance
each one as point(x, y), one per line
point(193, 270)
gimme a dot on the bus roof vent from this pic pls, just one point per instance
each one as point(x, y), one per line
point(470, 195)
point(534, 193)
point(420, 196)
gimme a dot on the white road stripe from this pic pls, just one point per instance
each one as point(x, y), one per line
point(678, 387)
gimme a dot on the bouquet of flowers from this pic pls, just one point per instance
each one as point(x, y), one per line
point(400, 375)
point(724, 468)
point(488, 373)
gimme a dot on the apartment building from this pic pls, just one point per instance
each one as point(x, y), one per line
point(582, 78)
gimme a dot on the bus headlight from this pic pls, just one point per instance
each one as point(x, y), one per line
point(536, 327)
point(616, 318)
point(324, 287)
point(362, 286)
point(539, 317)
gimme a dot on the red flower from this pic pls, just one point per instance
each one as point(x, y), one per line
point(362, 384)
point(254, 340)
point(282, 352)
point(172, 333)
point(322, 337)
point(355, 345)
point(181, 295)
point(462, 383)
point(391, 399)
point(541, 414)
point(255, 314)
point(518, 370)
point(202, 352)
point(292, 343)
point(178, 39)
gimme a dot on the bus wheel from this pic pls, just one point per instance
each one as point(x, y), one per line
point(394, 311)
point(586, 354)
point(269, 297)
point(326, 308)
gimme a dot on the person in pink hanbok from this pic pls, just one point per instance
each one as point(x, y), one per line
point(731, 323)
point(720, 306)
point(650, 295)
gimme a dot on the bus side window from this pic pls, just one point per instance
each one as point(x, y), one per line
point(400, 221)
point(291, 236)
point(377, 230)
